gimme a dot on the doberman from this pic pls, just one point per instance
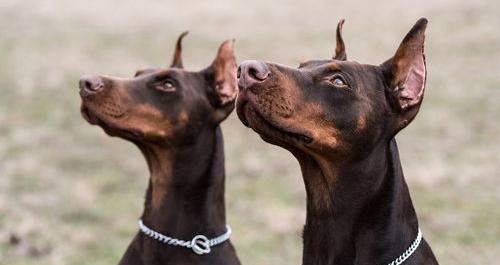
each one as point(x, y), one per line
point(173, 116)
point(339, 119)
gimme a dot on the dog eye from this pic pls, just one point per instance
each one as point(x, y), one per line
point(338, 81)
point(166, 87)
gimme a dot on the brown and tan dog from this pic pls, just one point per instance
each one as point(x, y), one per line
point(173, 116)
point(339, 119)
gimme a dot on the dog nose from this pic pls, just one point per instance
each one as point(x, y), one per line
point(251, 73)
point(91, 83)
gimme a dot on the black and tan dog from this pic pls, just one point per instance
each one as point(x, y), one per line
point(339, 119)
point(173, 116)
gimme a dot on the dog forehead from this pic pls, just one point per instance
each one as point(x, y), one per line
point(323, 66)
point(165, 72)
point(314, 63)
point(145, 71)
point(159, 73)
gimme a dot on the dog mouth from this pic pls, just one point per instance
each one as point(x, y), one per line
point(267, 128)
point(109, 127)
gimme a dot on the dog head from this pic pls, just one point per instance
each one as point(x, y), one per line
point(334, 107)
point(170, 106)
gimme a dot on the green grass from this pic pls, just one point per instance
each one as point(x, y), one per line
point(72, 194)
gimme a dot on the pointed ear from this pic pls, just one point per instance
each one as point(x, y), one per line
point(223, 78)
point(224, 71)
point(177, 61)
point(406, 74)
point(340, 48)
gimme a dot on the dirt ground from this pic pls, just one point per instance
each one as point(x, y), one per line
point(69, 194)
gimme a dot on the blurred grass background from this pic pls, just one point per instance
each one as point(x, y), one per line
point(69, 194)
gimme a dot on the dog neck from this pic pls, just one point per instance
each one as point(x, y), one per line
point(358, 212)
point(185, 196)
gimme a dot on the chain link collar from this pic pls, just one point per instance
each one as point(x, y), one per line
point(409, 251)
point(200, 244)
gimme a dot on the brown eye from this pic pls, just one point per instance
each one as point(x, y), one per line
point(166, 87)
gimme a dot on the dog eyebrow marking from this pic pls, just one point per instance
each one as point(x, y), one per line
point(313, 63)
point(164, 73)
point(331, 67)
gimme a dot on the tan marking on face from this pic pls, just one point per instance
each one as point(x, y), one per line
point(150, 121)
point(332, 67)
point(311, 119)
point(284, 105)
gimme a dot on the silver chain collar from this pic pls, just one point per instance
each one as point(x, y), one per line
point(200, 244)
point(409, 251)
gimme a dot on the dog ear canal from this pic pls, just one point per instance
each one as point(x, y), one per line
point(406, 70)
point(177, 61)
point(224, 74)
point(340, 53)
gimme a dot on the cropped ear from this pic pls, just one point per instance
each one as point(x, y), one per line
point(177, 61)
point(340, 48)
point(223, 78)
point(406, 75)
point(224, 71)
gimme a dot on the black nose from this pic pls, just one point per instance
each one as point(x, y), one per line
point(91, 83)
point(252, 72)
